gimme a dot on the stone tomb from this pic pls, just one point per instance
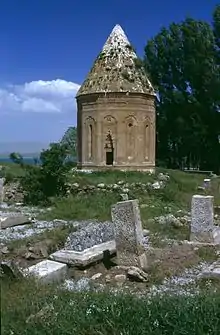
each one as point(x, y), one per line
point(129, 234)
point(202, 219)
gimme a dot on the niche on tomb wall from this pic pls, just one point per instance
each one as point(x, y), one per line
point(147, 130)
point(131, 135)
point(89, 126)
point(110, 128)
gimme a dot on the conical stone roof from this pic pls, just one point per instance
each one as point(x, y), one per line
point(117, 68)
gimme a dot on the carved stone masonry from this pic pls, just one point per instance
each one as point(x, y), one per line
point(129, 234)
point(202, 219)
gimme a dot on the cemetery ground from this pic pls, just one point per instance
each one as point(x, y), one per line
point(121, 306)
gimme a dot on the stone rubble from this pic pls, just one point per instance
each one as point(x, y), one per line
point(184, 284)
point(87, 241)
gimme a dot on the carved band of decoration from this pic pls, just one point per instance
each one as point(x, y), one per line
point(89, 138)
point(109, 119)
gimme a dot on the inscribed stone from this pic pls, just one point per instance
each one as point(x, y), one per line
point(202, 218)
point(129, 234)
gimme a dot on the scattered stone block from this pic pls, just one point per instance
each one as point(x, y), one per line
point(11, 221)
point(96, 276)
point(207, 183)
point(129, 234)
point(136, 274)
point(48, 271)
point(86, 257)
point(121, 278)
point(212, 271)
point(216, 235)
point(202, 219)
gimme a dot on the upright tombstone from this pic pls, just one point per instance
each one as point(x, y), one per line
point(1, 190)
point(202, 219)
point(207, 183)
point(129, 234)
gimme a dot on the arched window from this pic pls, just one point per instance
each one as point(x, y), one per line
point(147, 140)
point(130, 137)
point(89, 138)
point(90, 142)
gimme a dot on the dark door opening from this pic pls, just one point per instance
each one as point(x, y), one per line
point(109, 149)
point(109, 157)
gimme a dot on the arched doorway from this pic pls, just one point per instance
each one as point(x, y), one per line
point(109, 149)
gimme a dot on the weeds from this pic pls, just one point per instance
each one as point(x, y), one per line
point(37, 310)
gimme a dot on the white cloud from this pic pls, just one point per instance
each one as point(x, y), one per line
point(55, 96)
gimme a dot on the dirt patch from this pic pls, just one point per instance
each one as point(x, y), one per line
point(163, 263)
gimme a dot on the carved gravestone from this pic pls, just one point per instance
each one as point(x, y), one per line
point(202, 219)
point(129, 234)
point(207, 183)
point(1, 190)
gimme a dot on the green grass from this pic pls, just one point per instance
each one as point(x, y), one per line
point(30, 309)
point(11, 171)
point(176, 195)
point(110, 177)
point(82, 208)
point(56, 237)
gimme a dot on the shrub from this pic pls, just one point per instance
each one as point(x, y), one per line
point(48, 180)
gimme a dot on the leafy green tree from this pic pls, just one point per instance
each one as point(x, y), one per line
point(216, 24)
point(181, 61)
point(70, 140)
point(48, 180)
point(16, 158)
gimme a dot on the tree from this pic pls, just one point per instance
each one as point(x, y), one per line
point(216, 24)
point(16, 158)
point(48, 180)
point(181, 62)
point(70, 140)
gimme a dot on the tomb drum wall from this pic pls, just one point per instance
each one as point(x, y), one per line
point(120, 124)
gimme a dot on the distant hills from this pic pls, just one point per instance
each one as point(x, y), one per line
point(28, 149)
point(33, 149)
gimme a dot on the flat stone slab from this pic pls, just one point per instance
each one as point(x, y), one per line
point(213, 271)
point(48, 271)
point(86, 257)
point(11, 221)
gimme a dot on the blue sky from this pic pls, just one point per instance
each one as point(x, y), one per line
point(48, 47)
